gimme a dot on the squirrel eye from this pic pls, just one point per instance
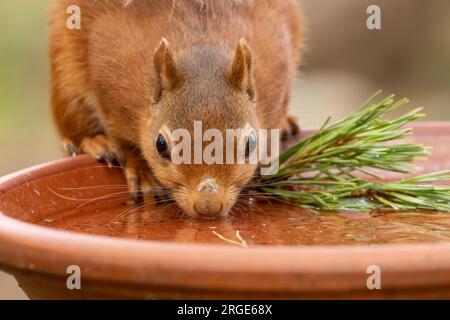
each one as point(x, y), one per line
point(161, 147)
point(251, 144)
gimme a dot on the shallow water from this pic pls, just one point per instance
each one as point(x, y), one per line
point(264, 224)
point(259, 224)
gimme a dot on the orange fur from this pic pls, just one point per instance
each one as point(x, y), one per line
point(107, 78)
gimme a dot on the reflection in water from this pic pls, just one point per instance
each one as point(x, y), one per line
point(262, 225)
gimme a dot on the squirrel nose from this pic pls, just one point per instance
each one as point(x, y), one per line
point(208, 187)
point(208, 203)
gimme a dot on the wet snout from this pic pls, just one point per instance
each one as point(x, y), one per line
point(208, 199)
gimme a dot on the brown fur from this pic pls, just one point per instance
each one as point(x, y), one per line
point(117, 79)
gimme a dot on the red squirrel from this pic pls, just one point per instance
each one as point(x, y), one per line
point(138, 69)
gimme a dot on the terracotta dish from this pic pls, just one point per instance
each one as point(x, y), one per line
point(75, 212)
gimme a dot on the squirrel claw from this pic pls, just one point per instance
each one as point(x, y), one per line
point(108, 158)
point(151, 190)
point(291, 129)
point(101, 148)
point(69, 148)
point(141, 184)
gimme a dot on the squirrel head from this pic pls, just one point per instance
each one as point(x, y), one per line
point(208, 87)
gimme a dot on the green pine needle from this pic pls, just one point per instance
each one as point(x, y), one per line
point(320, 172)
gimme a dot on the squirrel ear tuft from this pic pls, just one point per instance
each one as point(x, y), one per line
point(167, 76)
point(241, 74)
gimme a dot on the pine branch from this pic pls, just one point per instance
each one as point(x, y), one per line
point(320, 172)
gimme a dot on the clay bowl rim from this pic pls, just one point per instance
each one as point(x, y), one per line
point(44, 250)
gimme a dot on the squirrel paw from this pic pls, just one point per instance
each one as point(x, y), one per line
point(100, 147)
point(69, 148)
point(142, 185)
point(291, 128)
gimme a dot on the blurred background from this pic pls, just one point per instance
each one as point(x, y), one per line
point(343, 64)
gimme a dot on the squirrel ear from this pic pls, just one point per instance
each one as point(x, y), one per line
point(241, 74)
point(167, 75)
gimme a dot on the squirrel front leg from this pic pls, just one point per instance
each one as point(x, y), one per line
point(290, 128)
point(79, 126)
point(82, 132)
point(142, 184)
